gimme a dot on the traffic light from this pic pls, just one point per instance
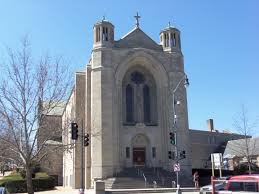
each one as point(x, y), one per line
point(86, 139)
point(182, 154)
point(74, 129)
point(169, 154)
point(172, 138)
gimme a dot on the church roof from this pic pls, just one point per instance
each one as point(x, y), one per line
point(137, 39)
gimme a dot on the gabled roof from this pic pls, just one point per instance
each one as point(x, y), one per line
point(238, 147)
point(137, 39)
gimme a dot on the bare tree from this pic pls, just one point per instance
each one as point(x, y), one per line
point(245, 147)
point(6, 156)
point(25, 84)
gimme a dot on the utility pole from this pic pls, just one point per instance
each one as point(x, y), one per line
point(175, 102)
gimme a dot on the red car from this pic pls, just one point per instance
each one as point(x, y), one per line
point(242, 183)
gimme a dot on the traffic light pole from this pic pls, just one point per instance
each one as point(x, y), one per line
point(84, 141)
point(174, 126)
point(82, 160)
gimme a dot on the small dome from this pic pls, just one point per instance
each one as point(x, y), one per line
point(170, 28)
point(103, 34)
point(104, 21)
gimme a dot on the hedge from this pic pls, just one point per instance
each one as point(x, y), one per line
point(39, 184)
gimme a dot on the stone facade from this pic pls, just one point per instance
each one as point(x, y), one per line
point(49, 142)
point(127, 127)
point(124, 101)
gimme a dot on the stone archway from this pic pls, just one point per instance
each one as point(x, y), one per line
point(139, 97)
point(140, 150)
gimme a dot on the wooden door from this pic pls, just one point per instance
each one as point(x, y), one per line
point(139, 156)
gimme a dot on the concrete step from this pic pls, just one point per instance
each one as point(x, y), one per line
point(133, 178)
point(125, 183)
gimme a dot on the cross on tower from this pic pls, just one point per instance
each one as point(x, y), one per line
point(137, 17)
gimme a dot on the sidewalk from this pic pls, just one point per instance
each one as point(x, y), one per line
point(65, 190)
point(62, 190)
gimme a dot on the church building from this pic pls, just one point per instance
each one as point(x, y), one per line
point(129, 98)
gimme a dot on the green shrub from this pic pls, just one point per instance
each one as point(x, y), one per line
point(2, 183)
point(42, 184)
point(16, 186)
point(39, 184)
point(11, 177)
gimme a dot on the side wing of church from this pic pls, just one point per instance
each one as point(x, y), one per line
point(124, 101)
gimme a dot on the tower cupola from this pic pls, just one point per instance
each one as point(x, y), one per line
point(103, 34)
point(170, 39)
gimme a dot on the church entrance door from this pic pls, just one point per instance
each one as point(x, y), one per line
point(139, 156)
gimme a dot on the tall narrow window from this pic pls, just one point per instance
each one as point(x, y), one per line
point(146, 97)
point(98, 34)
point(167, 40)
point(127, 152)
point(105, 33)
point(154, 152)
point(129, 104)
point(164, 40)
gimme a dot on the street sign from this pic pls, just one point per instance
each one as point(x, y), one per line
point(217, 159)
point(177, 167)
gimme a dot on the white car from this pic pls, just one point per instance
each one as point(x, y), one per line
point(208, 188)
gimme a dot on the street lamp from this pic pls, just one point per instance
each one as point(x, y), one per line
point(175, 117)
point(186, 84)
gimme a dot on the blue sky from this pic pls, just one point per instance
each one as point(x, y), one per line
point(220, 43)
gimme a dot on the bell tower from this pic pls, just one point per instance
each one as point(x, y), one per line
point(170, 39)
point(103, 34)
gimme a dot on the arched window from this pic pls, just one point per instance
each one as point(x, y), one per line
point(146, 97)
point(105, 33)
point(129, 104)
point(165, 40)
point(97, 34)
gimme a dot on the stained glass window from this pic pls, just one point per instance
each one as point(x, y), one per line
point(129, 103)
point(146, 97)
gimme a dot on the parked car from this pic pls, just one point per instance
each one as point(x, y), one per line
point(208, 188)
point(242, 183)
point(219, 186)
point(3, 190)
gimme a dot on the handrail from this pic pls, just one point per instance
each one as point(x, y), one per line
point(145, 179)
